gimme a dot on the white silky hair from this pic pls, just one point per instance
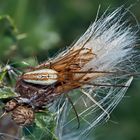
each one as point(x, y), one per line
point(113, 42)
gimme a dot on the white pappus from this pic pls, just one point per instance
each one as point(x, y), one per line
point(113, 41)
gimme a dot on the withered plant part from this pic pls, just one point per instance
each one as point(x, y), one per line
point(98, 63)
point(23, 115)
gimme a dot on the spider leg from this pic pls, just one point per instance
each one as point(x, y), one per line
point(69, 99)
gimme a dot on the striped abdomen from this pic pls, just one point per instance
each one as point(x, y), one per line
point(41, 77)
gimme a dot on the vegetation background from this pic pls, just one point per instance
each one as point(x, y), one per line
point(47, 26)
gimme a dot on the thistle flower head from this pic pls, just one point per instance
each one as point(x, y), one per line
point(84, 83)
point(112, 41)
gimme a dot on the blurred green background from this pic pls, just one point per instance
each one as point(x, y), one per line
point(47, 26)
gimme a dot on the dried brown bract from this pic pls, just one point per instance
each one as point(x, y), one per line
point(23, 115)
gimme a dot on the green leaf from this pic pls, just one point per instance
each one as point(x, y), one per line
point(43, 128)
point(6, 92)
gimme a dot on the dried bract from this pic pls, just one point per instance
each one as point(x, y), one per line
point(23, 115)
point(9, 106)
